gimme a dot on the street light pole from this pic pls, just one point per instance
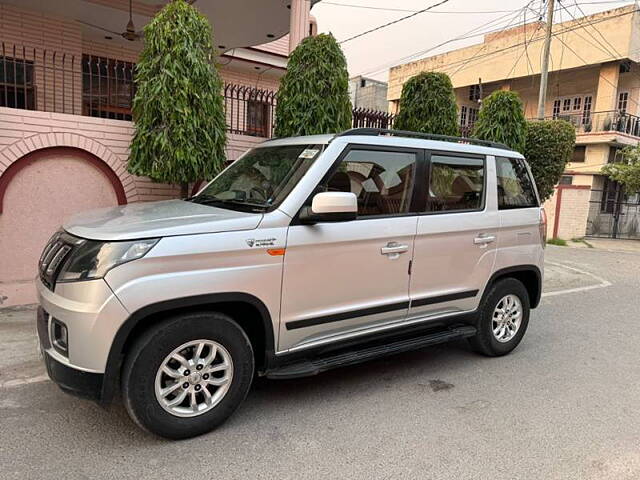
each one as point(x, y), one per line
point(545, 60)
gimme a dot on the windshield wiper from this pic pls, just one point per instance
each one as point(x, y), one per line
point(213, 200)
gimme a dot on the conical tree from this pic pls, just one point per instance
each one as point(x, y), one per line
point(180, 131)
point(314, 93)
point(501, 119)
point(428, 105)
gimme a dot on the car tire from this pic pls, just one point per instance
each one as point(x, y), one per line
point(212, 391)
point(506, 301)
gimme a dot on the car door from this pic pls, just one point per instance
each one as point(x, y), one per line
point(345, 279)
point(455, 246)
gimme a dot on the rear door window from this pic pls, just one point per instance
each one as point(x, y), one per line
point(515, 186)
point(456, 183)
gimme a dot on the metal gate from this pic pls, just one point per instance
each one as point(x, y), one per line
point(613, 214)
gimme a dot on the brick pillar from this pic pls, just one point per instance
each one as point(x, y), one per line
point(299, 23)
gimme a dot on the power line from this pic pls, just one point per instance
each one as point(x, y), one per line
point(510, 47)
point(442, 2)
point(469, 34)
point(524, 50)
point(599, 45)
point(368, 7)
point(523, 9)
point(586, 19)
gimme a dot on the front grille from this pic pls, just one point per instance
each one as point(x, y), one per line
point(54, 255)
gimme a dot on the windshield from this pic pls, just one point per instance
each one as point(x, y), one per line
point(261, 179)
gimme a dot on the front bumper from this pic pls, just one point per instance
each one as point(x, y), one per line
point(78, 382)
point(92, 315)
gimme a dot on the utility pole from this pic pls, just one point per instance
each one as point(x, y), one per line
point(545, 60)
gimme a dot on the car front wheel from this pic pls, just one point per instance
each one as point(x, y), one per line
point(188, 375)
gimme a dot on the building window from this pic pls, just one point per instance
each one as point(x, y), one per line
point(579, 153)
point(463, 115)
point(615, 155)
point(257, 119)
point(577, 103)
point(566, 105)
point(107, 87)
point(474, 93)
point(16, 84)
point(586, 113)
point(623, 99)
point(473, 116)
point(566, 180)
point(556, 108)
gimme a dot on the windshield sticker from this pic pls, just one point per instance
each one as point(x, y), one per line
point(309, 153)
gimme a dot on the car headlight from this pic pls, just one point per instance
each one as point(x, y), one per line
point(91, 259)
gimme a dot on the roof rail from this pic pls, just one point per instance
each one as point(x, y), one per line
point(428, 136)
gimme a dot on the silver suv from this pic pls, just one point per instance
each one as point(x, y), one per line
point(304, 255)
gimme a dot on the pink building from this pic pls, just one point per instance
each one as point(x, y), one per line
point(65, 108)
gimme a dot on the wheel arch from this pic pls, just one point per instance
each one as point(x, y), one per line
point(247, 310)
point(529, 275)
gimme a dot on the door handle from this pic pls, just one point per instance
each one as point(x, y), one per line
point(394, 249)
point(484, 239)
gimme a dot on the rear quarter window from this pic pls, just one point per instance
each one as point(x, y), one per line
point(515, 185)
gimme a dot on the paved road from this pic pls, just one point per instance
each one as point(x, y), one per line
point(564, 405)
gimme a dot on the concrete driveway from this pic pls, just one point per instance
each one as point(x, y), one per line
point(564, 405)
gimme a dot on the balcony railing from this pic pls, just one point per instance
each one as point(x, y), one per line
point(606, 121)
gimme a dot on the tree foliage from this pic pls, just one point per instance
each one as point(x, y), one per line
point(428, 105)
point(501, 119)
point(549, 146)
point(180, 131)
point(627, 171)
point(314, 93)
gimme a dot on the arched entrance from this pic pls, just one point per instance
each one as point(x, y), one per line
point(38, 193)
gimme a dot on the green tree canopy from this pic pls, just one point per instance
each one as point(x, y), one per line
point(627, 171)
point(428, 105)
point(549, 146)
point(314, 93)
point(501, 119)
point(180, 131)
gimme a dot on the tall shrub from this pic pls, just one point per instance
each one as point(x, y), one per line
point(501, 119)
point(180, 131)
point(627, 172)
point(314, 93)
point(428, 105)
point(549, 146)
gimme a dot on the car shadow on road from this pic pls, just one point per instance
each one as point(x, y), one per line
point(275, 401)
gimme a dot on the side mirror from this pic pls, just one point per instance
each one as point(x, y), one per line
point(331, 207)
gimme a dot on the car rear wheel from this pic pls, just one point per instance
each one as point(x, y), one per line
point(503, 320)
point(188, 375)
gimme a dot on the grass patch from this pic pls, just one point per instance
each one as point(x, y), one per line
point(582, 240)
point(557, 241)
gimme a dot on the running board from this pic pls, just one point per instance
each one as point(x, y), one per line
point(314, 366)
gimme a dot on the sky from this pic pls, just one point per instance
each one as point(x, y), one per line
point(372, 54)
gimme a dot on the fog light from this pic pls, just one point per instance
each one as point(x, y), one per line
point(59, 336)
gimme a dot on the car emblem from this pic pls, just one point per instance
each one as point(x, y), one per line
point(251, 242)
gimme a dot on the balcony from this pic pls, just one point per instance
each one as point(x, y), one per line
point(50, 81)
point(612, 126)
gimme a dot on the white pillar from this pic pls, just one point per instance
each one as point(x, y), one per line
point(299, 22)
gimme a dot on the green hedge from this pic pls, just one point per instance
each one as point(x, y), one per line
point(549, 146)
point(180, 130)
point(314, 93)
point(428, 105)
point(501, 119)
